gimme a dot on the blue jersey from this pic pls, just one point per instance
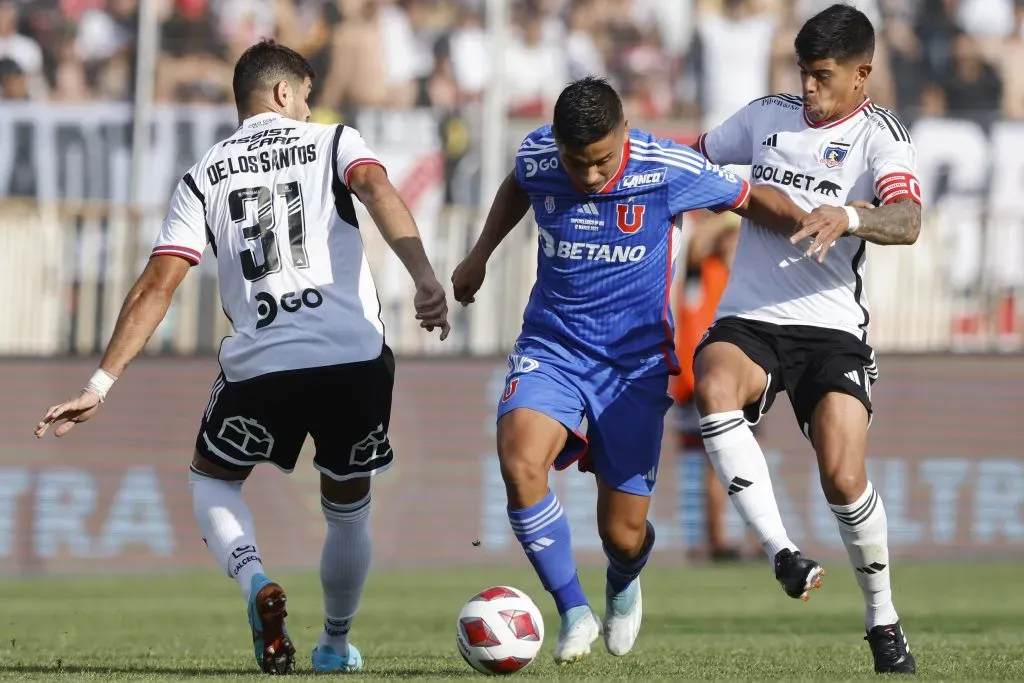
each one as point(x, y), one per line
point(606, 260)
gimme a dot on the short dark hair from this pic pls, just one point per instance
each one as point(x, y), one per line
point(264, 65)
point(587, 110)
point(839, 32)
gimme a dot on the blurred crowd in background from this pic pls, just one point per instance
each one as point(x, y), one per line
point(698, 59)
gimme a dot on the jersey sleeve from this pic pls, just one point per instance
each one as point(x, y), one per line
point(696, 183)
point(731, 142)
point(183, 232)
point(535, 154)
point(893, 164)
point(351, 152)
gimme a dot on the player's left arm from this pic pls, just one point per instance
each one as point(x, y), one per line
point(179, 246)
point(895, 223)
point(897, 218)
point(364, 174)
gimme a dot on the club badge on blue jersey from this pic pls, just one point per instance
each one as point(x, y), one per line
point(835, 154)
point(629, 217)
point(549, 204)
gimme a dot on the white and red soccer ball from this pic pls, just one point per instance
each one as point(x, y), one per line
point(499, 630)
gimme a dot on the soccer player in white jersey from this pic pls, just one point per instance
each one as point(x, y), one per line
point(793, 315)
point(274, 204)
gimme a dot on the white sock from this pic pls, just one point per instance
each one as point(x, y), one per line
point(864, 530)
point(344, 566)
point(226, 524)
point(743, 471)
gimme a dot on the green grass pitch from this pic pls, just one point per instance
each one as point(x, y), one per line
point(964, 622)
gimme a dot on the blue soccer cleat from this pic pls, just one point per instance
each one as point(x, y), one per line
point(326, 660)
point(274, 650)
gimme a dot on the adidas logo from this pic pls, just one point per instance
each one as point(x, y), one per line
point(872, 568)
point(738, 484)
point(771, 141)
point(590, 209)
point(853, 376)
point(538, 545)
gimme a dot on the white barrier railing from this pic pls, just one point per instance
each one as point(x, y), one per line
point(64, 274)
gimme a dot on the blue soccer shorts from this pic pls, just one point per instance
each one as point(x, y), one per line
point(625, 416)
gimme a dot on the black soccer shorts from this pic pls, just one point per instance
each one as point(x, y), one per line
point(807, 362)
point(345, 408)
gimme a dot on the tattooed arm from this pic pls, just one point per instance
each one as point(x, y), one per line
point(896, 223)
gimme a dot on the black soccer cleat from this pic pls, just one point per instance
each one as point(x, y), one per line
point(797, 574)
point(890, 650)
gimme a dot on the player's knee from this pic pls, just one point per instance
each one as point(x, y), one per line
point(208, 468)
point(717, 391)
point(524, 478)
point(344, 492)
point(525, 473)
point(843, 483)
point(839, 434)
point(624, 536)
point(527, 445)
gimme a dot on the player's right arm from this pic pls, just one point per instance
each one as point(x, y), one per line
point(179, 246)
point(508, 208)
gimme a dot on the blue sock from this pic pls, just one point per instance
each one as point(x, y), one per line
point(622, 571)
point(543, 531)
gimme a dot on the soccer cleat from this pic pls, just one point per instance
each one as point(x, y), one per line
point(326, 660)
point(580, 627)
point(274, 650)
point(890, 650)
point(797, 574)
point(622, 616)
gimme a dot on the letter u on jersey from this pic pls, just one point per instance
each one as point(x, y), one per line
point(629, 217)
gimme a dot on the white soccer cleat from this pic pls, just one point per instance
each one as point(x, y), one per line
point(622, 616)
point(576, 635)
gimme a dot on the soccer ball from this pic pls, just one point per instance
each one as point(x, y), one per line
point(499, 630)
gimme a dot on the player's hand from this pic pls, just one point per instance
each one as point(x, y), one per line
point(861, 204)
point(468, 278)
point(432, 306)
point(66, 415)
point(825, 224)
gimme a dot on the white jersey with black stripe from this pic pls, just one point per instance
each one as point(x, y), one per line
point(273, 204)
point(867, 156)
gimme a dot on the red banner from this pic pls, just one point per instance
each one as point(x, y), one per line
point(946, 454)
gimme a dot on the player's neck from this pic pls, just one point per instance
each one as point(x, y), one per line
point(257, 111)
point(842, 113)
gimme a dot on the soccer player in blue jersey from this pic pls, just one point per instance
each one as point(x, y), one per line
point(597, 336)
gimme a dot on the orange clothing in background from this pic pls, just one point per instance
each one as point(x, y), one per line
point(692, 318)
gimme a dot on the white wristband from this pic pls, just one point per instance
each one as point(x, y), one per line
point(100, 383)
point(854, 217)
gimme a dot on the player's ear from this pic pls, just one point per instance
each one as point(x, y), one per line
point(283, 93)
point(861, 75)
